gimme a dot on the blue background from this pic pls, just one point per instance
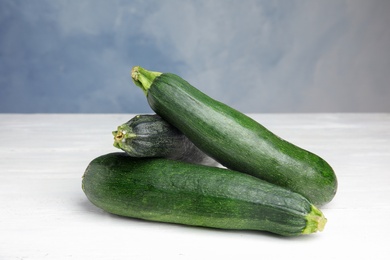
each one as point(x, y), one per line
point(257, 56)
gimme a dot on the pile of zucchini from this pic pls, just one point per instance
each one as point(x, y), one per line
point(168, 169)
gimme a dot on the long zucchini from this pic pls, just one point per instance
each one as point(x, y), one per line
point(177, 192)
point(234, 139)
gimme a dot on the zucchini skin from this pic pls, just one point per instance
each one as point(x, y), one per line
point(152, 136)
point(172, 191)
point(237, 141)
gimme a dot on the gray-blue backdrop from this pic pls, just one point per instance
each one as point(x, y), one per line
point(255, 55)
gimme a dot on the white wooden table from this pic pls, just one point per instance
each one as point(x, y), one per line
point(44, 213)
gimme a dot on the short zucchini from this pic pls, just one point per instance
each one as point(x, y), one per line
point(234, 139)
point(164, 190)
point(152, 136)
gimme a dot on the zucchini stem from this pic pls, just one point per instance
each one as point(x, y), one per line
point(121, 135)
point(315, 221)
point(143, 78)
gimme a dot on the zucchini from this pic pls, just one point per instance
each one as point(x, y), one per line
point(234, 139)
point(152, 136)
point(164, 190)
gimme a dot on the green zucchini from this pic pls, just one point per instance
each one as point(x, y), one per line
point(234, 139)
point(152, 136)
point(165, 190)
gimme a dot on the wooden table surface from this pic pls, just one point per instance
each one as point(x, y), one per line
point(45, 214)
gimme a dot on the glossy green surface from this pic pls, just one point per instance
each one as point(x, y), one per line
point(235, 140)
point(172, 191)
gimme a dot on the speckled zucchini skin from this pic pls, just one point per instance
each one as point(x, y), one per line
point(172, 191)
point(234, 139)
point(152, 136)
